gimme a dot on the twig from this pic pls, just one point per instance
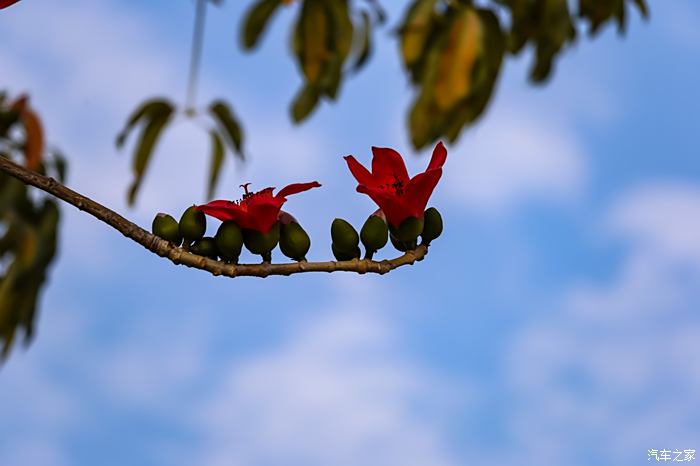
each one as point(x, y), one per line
point(179, 256)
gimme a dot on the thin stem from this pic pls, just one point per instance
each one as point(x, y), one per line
point(196, 57)
point(180, 256)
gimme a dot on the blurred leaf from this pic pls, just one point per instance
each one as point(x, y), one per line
point(458, 58)
point(365, 45)
point(415, 32)
point(459, 71)
point(229, 125)
point(341, 26)
point(30, 226)
point(217, 160)
point(34, 144)
point(599, 13)
point(146, 112)
point(304, 103)
point(145, 146)
point(60, 165)
point(256, 19)
point(642, 7)
point(311, 39)
point(378, 10)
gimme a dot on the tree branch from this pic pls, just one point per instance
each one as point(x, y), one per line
point(179, 256)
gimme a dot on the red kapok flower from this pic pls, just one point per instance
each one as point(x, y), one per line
point(255, 211)
point(6, 3)
point(399, 196)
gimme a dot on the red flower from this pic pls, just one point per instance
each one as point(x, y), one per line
point(6, 3)
point(399, 196)
point(256, 211)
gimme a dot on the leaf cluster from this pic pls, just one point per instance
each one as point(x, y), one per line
point(153, 116)
point(452, 50)
point(29, 225)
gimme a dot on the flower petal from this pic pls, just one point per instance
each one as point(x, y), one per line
point(297, 188)
point(387, 162)
point(226, 210)
point(5, 3)
point(264, 215)
point(439, 157)
point(394, 210)
point(419, 190)
point(361, 174)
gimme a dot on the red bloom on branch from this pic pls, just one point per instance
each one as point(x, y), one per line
point(255, 211)
point(399, 196)
point(6, 3)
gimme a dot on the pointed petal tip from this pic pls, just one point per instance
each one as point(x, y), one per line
point(297, 188)
point(437, 160)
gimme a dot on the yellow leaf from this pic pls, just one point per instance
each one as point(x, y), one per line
point(458, 59)
point(415, 30)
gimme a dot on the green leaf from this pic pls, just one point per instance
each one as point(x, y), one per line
point(217, 160)
point(147, 111)
point(415, 31)
point(642, 7)
point(311, 39)
point(229, 126)
point(60, 165)
point(304, 103)
point(341, 25)
point(144, 148)
point(255, 21)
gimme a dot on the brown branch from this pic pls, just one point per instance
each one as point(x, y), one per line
point(179, 256)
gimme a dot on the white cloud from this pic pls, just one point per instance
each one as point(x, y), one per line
point(664, 218)
point(610, 371)
point(337, 393)
point(514, 156)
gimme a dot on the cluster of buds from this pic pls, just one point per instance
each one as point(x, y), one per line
point(257, 222)
point(402, 201)
point(376, 232)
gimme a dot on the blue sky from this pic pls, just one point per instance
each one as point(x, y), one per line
point(555, 322)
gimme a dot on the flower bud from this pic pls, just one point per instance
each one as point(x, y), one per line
point(205, 247)
point(345, 256)
point(229, 241)
point(409, 229)
point(166, 227)
point(432, 228)
point(262, 243)
point(344, 236)
point(402, 246)
point(294, 241)
point(193, 224)
point(374, 234)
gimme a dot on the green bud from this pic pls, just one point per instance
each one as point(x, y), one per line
point(262, 243)
point(229, 241)
point(205, 247)
point(193, 224)
point(167, 228)
point(432, 228)
point(345, 256)
point(294, 241)
point(408, 230)
point(344, 236)
point(402, 246)
point(374, 234)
